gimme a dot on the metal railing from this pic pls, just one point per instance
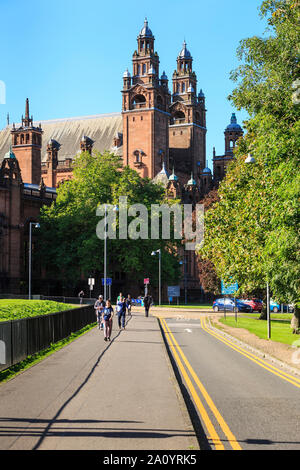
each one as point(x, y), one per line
point(22, 338)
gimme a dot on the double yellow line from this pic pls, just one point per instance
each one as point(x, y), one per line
point(269, 367)
point(185, 366)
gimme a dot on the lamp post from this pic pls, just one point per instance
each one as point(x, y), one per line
point(115, 209)
point(159, 273)
point(36, 225)
point(250, 160)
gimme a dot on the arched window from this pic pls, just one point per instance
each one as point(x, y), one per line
point(144, 69)
point(139, 101)
point(183, 88)
point(179, 116)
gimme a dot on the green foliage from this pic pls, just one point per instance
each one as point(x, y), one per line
point(252, 233)
point(69, 246)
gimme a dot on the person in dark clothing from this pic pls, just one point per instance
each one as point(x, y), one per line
point(129, 304)
point(121, 312)
point(147, 303)
point(81, 295)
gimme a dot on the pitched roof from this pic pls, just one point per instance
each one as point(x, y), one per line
point(68, 133)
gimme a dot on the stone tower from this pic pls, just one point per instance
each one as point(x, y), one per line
point(187, 132)
point(26, 145)
point(232, 133)
point(145, 107)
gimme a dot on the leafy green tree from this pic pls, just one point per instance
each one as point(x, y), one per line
point(253, 231)
point(69, 246)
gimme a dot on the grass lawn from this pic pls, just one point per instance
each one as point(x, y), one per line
point(14, 309)
point(280, 328)
point(208, 306)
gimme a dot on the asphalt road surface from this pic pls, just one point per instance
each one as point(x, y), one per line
point(240, 401)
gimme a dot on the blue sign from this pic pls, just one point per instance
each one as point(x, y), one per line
point(230, 289)
point(173, 291)
point(108, 281)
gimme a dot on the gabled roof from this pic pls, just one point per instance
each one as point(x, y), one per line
point(68, 133)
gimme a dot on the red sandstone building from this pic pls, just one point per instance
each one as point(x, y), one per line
point(160, 134)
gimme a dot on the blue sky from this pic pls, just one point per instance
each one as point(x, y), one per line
point(68, 56)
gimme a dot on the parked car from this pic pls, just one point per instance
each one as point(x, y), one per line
point(231, 305)
point(255, 304)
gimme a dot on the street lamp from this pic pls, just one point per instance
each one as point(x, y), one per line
point(115, 209)
point(159, 273)
point(36, 225)
point(250, 159)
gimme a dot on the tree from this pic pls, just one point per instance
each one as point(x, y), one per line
point(69, 246)
point(253, 229)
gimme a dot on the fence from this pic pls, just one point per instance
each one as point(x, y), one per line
point(22, 338)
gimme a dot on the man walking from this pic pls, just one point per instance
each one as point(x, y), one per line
point(99, 306)
point(147, 303)
point(81, 295)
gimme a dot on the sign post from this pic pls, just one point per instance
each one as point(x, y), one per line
point(146, 283)
point(91, 283)
point(173, 291)
point(106, 282)
point(230, 289)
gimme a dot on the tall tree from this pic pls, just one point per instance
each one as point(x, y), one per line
point(69, 245)
point(254, 228)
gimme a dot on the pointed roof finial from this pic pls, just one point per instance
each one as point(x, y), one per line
point(27, 120)
point(27, 109)
point(191, 182)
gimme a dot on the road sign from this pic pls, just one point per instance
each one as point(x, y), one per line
point(229, 289)
point(173, 291)
point(91, 281)
point(146, 280)
point(108, 281)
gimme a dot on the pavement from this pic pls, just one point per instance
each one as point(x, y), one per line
point(94, 395)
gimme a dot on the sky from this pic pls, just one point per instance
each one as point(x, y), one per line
point(68, 56)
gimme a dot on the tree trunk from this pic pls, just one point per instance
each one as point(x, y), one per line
point(295, 322)
point(263, 315)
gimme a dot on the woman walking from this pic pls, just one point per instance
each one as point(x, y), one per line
point(107, 316)
point(99, 306)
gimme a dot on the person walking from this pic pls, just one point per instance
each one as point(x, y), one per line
point(99, 306)
point(107, 316)
point(121, 312)
point(147, 303)
point(129, 304)
point(119, 297)
point(81, 295)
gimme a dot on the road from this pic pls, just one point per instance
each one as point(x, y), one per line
point(240, 401)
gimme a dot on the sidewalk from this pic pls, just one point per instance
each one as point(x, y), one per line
point(93, 395)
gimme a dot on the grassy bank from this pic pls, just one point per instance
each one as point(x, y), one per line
point(280, 328)
point(15, 309)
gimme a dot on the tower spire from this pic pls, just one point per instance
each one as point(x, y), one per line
point(26, 122)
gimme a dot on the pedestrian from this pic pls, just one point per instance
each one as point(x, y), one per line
point(121, 312)
point(147, 303)
point(129, 304)
point(107, 316)
point(99, 306)
point(81, 295)
point(119, 297)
